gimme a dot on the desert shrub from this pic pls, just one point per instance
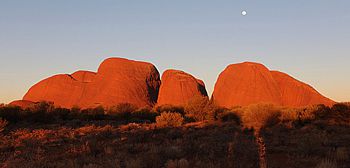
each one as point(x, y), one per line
point(261, 115)
point(43, 106)
point(307, 114)
point(96, 113)
point(169, 108)
point(61, 113)
point(182, 163)
point(321, 111)
point(229, 116)
point(3, 124)
point(199, 108)
point(341, 107)
point(11, 113)
point(289, 114)
point(341, 110)
point(226, 115)
point(169, 119)
point(39, 113)
point(75, 109)
point(122, 111)
point(144, 114)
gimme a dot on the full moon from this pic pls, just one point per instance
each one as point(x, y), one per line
point(244, 13)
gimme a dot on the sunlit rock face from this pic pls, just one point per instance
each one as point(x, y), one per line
point(251, 83)
point(179, 87)
point(118, 80)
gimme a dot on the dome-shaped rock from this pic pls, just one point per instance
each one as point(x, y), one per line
point(296, 93)
point(178, 88)
point(117, 81)
point(250, 83)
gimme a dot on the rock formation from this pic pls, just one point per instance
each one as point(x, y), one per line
point(178, 88)
point(117, 81)
point(296, 93)
point(250, 83)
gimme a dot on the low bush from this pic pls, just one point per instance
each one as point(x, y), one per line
point(144, 114)
point(96, 113)
point(200, 108)
point(11, 114)
point(169, 108)
point(341, 110)
point(122, 111)
point(261, 115)
point(169, 119)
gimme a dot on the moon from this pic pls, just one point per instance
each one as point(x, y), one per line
point(244, 13)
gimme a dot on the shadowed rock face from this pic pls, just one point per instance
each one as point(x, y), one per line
point(178, 88)
point(250, 83)
point(117, 81)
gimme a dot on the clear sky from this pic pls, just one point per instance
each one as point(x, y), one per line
point(308, 39)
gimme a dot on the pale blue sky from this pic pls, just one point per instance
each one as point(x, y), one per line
point(306, 39)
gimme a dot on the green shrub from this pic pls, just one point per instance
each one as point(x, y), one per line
point(169, 119)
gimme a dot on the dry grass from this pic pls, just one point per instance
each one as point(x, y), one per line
point(44, 136)
point(132, 145)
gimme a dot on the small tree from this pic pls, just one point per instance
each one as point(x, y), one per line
point(168, 119)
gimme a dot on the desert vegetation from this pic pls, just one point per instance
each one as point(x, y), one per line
point(200, 134)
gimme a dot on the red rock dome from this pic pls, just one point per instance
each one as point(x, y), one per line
point(117, 81)
point(84, 76)
point(296, 93)
point(250, 83)
point(179, 87)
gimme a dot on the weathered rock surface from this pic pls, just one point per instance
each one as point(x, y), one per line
point(296, 93)
point(179, 87)
point(117, 81)
point(250, 83)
